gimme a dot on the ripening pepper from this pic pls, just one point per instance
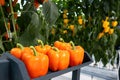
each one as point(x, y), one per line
point(114, 23)
point(100, 35)
point(2, 2)
point(106, 24)
point(111, 31)
point(106, 29)
point(58, 59)
point(36, 3)
point(65, 21)
point(80, 21)
point(76, 55)
point(37, 64)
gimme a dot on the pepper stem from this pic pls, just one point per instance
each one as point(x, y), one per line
point(5, 22)
point(41, 43)
point(20, 46)
point(34, 50)
point(62, 40)
point(73, 45)
point(55, 48)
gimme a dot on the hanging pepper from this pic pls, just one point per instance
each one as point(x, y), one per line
point(37, 64)
point(76, 55)
point(6, 36)
point(58, 59)
point(36, 3)
point(114, 23)
point(2, 2)
point(42, 48)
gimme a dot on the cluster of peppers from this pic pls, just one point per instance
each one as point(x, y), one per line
point(40, 58)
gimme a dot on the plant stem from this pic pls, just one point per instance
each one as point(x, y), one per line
point(118, 9)
point(13, 20)
point(4, 19)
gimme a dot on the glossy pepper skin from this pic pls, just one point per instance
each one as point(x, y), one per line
point(37, 64)
point(26, 51)
point(19, 51)
point(62, 45)
point(76, 55)
point(58, 59)
point(42, 48)
point(16, 52)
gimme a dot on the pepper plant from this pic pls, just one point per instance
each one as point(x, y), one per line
point(25, 21)
point(90, 23)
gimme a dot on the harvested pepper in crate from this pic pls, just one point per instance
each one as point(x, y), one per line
point(61, 44)
point(20, 50)
point(58, 59)
point(37, 64)
point(41, 48)
point(76, 55)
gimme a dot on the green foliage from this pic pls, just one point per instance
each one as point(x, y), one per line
point(47, 23)
point(33, 23)
point(92, 12)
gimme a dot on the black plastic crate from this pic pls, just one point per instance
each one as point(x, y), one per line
point(17, 71)
point(4, 69)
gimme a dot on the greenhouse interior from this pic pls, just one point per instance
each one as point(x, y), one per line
point(59, 40)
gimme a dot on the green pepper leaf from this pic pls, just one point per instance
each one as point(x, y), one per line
point(50, 12)
point(33, 31)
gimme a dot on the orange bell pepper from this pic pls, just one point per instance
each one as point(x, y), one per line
point(62, 45)
point(16, 51)
point(76, 55)
point(58, 59)
point(19, 51)
point(37, 64)
point(26, 51)
point(42, 48)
